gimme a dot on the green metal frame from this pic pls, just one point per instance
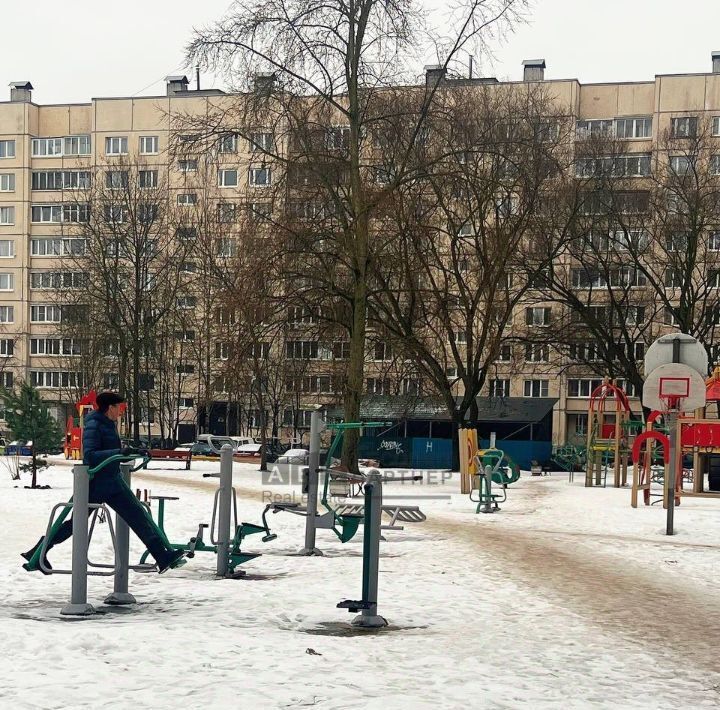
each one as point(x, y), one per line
point(196, 543)
point(34, 562)
point(502, 474)
point(345, 526)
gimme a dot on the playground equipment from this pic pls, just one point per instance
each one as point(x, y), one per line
point(344, 519)
point(74, 426)
point(78, 605)
point(224, 519)
point(610, 432)
point(698, 436)
point(493, 466)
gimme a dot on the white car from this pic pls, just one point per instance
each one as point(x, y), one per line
point(183, 447)
point(248, 450)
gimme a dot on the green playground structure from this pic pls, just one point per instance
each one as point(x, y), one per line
point(35, 563)
point(345, 525)
point(494, 466)
point(197, 543)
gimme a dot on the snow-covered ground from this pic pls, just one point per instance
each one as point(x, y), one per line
point(567, 598)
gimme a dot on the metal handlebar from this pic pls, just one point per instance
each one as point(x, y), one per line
point(118, 458)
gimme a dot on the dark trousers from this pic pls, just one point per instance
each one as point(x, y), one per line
point(117, 494)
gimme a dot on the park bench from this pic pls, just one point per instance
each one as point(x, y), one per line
point(169, 455)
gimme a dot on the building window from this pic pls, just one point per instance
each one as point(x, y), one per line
point(77, 145)
point(184, 369)
point(225, 316)
point(54, 379)
point(535, 352)
point(57, 279)
point(7, 347)
point(504, 354)
point(337, 138)
point(341, 350)
point(68, 246)
point(614, 166)
point(188, 267)
point(680, 164)
point(7, 215)
point(499, 388)
point(227, 143)
point(261, 140)
point(226, 212)
point(382, 352)
point(147, 178)
point(46, 314)
point(377, 385)
point(714, 241)
point(684, 127)
point(187, 198)
point(673, 278)
point(222, 350)
point(410, 386)
point(227, 178)
point(60, 179)
point(582, 387)
point(116, 179)
point(535, 388)
point(116, 145)
point(584, 352)
point(7, 314)
point(7, 182)
point(227, 247)
point(585, 278)
point(635, 315)
point(46, 147)
point(633, 127)
point(302, 350)
point(260, 210)
point(187, 166)
point(259, 177)
point(185, 336)
point(149, 145)
point(7, 149)
point(712, 280)
point(7, 248)
point(458, 336)
point(186, 403)
point(7, 282)
point(57, 213)
point(186, 302)
point(537, 316)
point(601, 127)
point(715, 164)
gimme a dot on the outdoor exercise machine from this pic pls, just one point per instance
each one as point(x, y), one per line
point(344, 519)
point(226, 535)
point(119, 534)
point(493, 466)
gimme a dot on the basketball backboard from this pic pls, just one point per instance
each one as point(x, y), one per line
point(674, 386)
point(691, 352)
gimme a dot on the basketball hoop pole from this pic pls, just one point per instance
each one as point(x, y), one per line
point(672, 470)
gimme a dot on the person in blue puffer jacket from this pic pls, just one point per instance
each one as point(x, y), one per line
point(101, 441)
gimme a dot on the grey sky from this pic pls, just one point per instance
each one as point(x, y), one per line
point(77, 49)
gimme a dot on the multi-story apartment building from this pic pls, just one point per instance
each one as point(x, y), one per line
point(49, 151)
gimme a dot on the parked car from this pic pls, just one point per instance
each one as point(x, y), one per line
point(217, 441)
point(202, 449)
point(297, 457)
point(184, 447)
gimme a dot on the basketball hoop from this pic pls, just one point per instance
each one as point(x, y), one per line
point(674, 388)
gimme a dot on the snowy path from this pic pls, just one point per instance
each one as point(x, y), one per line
point(567, 598)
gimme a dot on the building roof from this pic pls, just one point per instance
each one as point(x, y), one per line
point(525, 410)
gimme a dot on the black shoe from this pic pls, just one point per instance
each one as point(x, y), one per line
point(174, 559)
point(29, 555)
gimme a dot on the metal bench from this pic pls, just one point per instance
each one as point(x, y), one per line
point(396, 513)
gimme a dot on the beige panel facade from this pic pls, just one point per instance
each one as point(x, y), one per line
point(133, 118)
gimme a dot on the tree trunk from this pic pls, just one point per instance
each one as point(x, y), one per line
point(33, 482)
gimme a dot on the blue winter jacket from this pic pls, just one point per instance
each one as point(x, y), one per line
point(101, 441)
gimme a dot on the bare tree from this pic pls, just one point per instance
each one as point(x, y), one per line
point(328, 62)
